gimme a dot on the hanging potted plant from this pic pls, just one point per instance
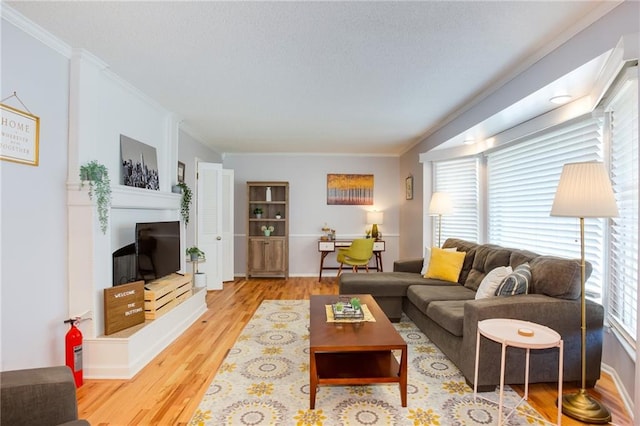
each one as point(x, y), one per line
point(97, 176)
point(185, 203)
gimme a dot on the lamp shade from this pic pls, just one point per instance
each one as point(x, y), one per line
point(375, 217)
point(440, 204)
point(584, 190)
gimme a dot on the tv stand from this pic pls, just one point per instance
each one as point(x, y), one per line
point(163, 294)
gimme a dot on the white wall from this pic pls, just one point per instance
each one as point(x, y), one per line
point(33, 290)
point(35, 277)
point(308, 209)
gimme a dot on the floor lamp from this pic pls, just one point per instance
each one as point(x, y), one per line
point(584, 190)
point(440, 204)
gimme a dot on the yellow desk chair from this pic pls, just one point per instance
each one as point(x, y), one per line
point(358, 254)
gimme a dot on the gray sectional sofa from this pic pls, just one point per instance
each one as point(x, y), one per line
point(39, 396)
point(448, 312)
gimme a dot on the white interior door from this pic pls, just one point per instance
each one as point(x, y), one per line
point(209, 222)
point(227, 225)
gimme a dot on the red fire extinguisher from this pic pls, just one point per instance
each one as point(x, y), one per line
point(73, 350)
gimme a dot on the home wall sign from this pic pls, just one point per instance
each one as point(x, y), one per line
point(349, 189)
point(20, 136)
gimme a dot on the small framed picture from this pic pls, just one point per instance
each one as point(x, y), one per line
point(408, 183)
point(180, 172)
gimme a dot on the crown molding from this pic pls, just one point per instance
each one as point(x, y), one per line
point(13, 17)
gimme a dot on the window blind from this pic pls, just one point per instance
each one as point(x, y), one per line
point(458, 178)
point(522, 180)
point(623, 250)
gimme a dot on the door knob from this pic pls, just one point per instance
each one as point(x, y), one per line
point(218, 238)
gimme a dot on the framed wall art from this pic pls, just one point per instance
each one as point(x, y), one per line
point(349, 189)
point(20, 136)
point(139, 164)
point(408, 187)
point(180, 172)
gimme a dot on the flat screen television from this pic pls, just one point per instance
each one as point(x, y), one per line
point(157, 249)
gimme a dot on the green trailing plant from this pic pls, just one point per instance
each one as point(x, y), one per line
point(185, 204)
point(195, 253)
point(99, 187)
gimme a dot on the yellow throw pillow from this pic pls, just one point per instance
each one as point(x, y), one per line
point(445, 265)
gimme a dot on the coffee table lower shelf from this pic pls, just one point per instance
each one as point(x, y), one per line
point(357, 368)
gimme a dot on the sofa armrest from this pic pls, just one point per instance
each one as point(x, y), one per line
point(408, 265)
point(561, 315)
point(38, 396)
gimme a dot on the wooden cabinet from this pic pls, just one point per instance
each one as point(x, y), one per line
point(267, 229)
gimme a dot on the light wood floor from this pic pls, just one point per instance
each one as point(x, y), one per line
point(167, 391)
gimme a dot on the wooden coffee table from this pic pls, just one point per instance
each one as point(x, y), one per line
point(354, 353)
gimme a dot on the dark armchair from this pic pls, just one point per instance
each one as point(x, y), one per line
point(39, 396)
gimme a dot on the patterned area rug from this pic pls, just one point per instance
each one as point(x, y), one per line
point(265, 381)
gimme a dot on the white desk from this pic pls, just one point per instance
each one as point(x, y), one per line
point(326, 247)
point(507, 333)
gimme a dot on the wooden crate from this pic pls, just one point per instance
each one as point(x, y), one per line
point(160, 296)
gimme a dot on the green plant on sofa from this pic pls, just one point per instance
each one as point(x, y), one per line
point(185, 202)
point(99, 185)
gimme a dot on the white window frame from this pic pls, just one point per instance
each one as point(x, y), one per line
point(622, 286)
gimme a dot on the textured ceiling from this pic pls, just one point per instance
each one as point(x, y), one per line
point(313, 77)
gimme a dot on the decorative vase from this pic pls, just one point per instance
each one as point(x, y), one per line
point(267, 233)
point(258, 215)
point(194, 256)
point(268, 194)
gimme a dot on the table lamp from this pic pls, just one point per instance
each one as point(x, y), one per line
point(440, 204)
point(374, 218)
point(584, 190)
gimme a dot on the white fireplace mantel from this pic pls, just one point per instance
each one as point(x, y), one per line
point(90, 272)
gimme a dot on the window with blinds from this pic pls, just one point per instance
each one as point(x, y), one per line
point(458, 178)
point(522, 181)
point(623, 245)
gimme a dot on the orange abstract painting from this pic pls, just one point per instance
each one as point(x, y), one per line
point(348, 189)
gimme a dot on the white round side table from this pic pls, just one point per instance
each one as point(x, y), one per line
point(519, 334)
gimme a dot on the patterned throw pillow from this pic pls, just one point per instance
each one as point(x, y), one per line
point(491, 281)
point(515, 283)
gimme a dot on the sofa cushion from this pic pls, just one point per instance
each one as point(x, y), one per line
point(445, 265)
point(516, 282)
point(518, 257)
point(422, 295)
point(491, 281)
point(487, 258)
point(448, 314)
point(382, 284)
point(557, 277)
